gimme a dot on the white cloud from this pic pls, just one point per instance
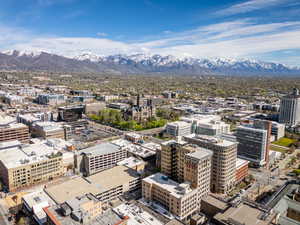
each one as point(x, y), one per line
point(248, 6)
point(229, 39)
point(101, 34)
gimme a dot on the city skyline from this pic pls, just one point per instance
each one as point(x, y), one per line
point(265, 30)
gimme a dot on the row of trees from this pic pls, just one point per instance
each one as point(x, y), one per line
point(115, 118)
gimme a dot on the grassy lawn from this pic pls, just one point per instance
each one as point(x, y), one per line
point(286, 142)
point(277, 149)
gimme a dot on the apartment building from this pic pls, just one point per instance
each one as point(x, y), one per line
point(197, 171)
point(101, 157)
point(24, 166)
point(190, 166)
point(10, 130)
point(223, 175)
point(178, 128)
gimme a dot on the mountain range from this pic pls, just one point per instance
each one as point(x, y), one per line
point(139, 64)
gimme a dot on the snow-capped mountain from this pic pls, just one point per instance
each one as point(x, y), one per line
point(140, 64)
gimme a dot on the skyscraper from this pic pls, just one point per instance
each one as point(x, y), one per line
point(223, 160)
point(290, 108)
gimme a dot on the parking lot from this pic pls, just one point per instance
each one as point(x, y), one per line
point(91, 133)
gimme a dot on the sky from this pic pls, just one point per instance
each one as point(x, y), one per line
point(267, 30)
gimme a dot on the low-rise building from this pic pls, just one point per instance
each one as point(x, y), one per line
point(134, 137)
point(57, 215)
point(101, 157)
point(180, 199)
point(241, 169)
point(51, 99)
point(179, 128)
point(33, 205)
point(106, 185)
point(25, 165)
point(48, 130)
point(133, 163)
point(10, 130)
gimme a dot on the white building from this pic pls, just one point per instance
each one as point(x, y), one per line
point(290, 108)
point(179, 128)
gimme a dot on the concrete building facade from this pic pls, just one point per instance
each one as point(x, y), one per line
point(179, 128)
point(101, 157)
point(224, 157)
point(290, 108)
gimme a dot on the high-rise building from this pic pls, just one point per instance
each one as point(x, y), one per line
point(182, 198)
point(252, 144)
point(290, 108)
point(223, 177)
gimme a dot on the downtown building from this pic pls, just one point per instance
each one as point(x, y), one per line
point(223, 175)
point(181, 187)
point(10, 130)
point(26, 165)
point(100, 157)
point(253, 142)
point(290, 109)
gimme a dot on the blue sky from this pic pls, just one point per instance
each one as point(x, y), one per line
point(260, 29)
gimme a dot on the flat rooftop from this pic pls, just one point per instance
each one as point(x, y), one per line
point(131, 162)
point(166, 183)
point(240, 162)
point(244, 214)
point(137, 216)
point(201, 153)
point(24, 154)
point(211, 139)
point(49, 126)
point(94, 184)
point(101, 149)
point(113, 177)
point(179, 124)
point(66, 191)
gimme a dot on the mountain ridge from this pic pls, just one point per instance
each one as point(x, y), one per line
point(139, 64)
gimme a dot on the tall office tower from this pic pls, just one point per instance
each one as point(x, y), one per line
point(265, 125)
point(252, 144)
point(290, 108)
point(223, 160)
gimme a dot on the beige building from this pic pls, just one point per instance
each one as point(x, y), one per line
point(223, 176)
point(106, 185)
point(190, 166)
point(48, 130)
point(176, 156)
point(21, 167)
point(26, 164)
